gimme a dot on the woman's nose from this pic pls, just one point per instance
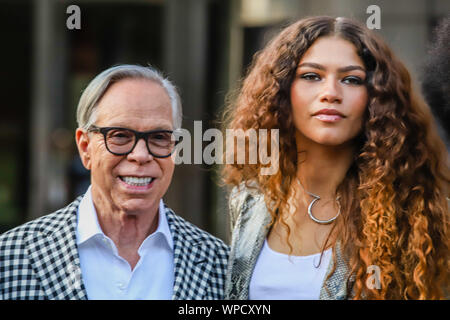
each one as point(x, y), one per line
point(331, 92)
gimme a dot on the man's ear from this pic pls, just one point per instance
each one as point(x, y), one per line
point(82, 140)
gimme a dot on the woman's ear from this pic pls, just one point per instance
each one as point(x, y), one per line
point(82, 140)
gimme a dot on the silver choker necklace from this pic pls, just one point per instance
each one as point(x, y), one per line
point(317, 198)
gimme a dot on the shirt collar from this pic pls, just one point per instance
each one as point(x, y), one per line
point(163, 225)
point(88, 226)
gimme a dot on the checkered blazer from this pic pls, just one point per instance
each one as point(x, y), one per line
point(39, 260)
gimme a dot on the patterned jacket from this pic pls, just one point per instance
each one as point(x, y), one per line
point(39, 260)
point(250, 218)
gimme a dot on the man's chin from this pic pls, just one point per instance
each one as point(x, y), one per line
point(137, 206)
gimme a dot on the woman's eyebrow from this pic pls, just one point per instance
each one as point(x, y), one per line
point(351, 68)
point(312, 65)
point(321, 67)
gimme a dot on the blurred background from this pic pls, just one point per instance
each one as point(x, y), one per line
point(204, 46)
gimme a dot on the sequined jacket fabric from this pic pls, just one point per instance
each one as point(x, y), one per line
point(249, 221)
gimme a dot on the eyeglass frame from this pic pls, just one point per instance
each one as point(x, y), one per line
point(138, 136)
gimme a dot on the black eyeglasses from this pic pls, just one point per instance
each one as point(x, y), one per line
point(121, 141)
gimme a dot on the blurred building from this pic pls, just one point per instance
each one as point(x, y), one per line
point(204, 46)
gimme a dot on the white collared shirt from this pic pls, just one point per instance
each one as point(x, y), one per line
point(108, 276)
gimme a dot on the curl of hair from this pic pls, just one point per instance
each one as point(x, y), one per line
point(394, 207)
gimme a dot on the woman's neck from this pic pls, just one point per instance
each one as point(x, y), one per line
point(322, 168)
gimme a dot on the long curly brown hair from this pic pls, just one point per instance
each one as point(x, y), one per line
point(394, 197)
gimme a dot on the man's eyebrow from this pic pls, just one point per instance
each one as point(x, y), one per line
point(156, 128)
point(321, 67)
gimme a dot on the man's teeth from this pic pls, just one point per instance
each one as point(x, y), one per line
point(136, 181)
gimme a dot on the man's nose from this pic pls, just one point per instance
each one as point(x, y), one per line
point(331, 92)
point(140, 152)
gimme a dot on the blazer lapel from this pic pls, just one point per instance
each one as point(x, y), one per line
point(193, 260)
point(335, 288)
point(248, 238)
point(54, 256)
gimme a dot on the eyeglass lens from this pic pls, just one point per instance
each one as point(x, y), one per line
point(123, 141)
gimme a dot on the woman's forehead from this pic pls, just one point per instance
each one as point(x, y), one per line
point(332, 49)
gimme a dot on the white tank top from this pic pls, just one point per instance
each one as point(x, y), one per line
point(279, 276)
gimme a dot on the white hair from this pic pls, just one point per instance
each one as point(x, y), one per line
point(86, 115)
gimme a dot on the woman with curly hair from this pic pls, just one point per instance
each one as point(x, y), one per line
point(358, 208)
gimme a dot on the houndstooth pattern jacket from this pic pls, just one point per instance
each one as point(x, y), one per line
point(249, 221)
point(39, 260)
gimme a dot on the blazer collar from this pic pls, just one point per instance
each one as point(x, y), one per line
point(247, 241)
point(337, 285)
point(193, 259)
point(54, 256)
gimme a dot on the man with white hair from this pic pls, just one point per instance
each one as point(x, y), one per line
point(118, 240)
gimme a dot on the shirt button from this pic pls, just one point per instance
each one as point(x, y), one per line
point(121, 286)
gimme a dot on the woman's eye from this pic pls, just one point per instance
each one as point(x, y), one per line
point(353, 80)
point(310, 76)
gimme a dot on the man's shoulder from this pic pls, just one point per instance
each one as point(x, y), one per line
point(45, 224)
point(191, 232)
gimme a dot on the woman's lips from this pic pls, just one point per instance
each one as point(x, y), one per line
point(328, 115)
